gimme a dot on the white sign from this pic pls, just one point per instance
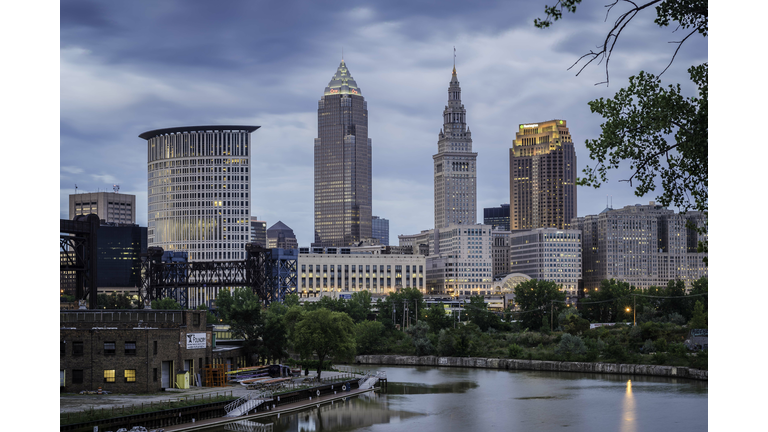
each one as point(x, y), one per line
point(196, 340)
point(531, 125)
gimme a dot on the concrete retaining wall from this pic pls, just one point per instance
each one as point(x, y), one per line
point(538, 365)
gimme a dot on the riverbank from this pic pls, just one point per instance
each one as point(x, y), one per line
point(535, 365)
point(283, 409)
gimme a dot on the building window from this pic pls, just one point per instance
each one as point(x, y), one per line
point(130, 348)
point(109, 348)
point(109, 375)
point(154, 347)
point(77, 348)
point(63, 347)
point(130, 375)
point(77, 376)
point(154, 374)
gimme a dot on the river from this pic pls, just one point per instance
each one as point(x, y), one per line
point(427, 399)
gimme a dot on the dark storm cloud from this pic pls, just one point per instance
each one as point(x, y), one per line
point(129, 67)
point(85, 15)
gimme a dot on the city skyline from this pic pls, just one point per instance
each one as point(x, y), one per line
point(122, 73)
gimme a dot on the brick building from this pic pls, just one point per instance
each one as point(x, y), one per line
point(133, 351)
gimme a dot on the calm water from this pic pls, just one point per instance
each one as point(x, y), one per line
point(427, 399)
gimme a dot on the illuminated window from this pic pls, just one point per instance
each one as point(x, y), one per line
point(109, 375)
point(130, 375)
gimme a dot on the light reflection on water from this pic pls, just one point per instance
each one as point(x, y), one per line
point(628, 416)
point(436, 399)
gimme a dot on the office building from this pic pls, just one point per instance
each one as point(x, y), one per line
point(343, 193)
point(258, 231)
point(199, 190)
point(111, 207)
point(497, 217)
point(460, 261)
point(542, 177)
point(455, 174)
point(380, 230)
point(118, 260)
point(644, 245)
point(548, 254)
point(281, 236)
point(500, 252)
point(325, 271)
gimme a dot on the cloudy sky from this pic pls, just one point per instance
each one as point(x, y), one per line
point(129, 67)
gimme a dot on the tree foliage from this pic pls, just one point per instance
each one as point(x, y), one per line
point(242, 311)
point(369, 336)
point(326, 334)
point(659, 132)
point(401, 308)
point(114, 301)
point(165, 304)
point(537, 299)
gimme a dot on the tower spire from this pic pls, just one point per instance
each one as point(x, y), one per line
point(454, 60)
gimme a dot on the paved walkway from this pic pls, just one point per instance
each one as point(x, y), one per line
point(77, 402)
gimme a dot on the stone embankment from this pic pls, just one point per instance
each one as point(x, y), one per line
point(536, 365)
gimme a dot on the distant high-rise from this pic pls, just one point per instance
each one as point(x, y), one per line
point(111, 207)
point(455, 165)
point(199, 190)
point(258, 231)
point(497, 217)
point(380, 229)
point(644, 245)
point(542, 177)
point(343, 193)
point(281, 236)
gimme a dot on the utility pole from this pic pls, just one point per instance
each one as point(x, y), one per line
point(552, 315)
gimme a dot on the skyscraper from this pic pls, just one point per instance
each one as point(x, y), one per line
point(199, 190)
point(343, 194)
point(111, 207)
point(455, 168)
point(542, 177)
point(380, 229)
point(281, 236)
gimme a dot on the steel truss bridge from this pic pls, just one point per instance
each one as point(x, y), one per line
point(77, 242)
point(270, 273)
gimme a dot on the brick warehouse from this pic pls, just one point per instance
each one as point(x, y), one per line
point(131, 351)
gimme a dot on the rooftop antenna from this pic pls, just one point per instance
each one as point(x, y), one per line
point(116, 187)
point(75, 188)
point(454, 57)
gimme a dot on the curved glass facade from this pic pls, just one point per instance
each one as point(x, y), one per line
point(199, 190)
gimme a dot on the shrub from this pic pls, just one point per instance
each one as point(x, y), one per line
point(515, 351)
point(570, 345)
point(648, 347)
point(617, 353)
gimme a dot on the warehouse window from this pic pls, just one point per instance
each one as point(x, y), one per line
point(130, 375)
point(109, 348)
point(77, 376)
point(77, 348)
point(130, 348)
point(109, 375)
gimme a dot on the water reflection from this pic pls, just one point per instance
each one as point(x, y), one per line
point(343, 415)
point(628, 423)
point(401, 388)
point(248, 426)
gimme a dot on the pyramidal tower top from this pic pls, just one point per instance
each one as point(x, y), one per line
point(342, 82)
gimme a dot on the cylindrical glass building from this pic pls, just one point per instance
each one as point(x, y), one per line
point(199, 190)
